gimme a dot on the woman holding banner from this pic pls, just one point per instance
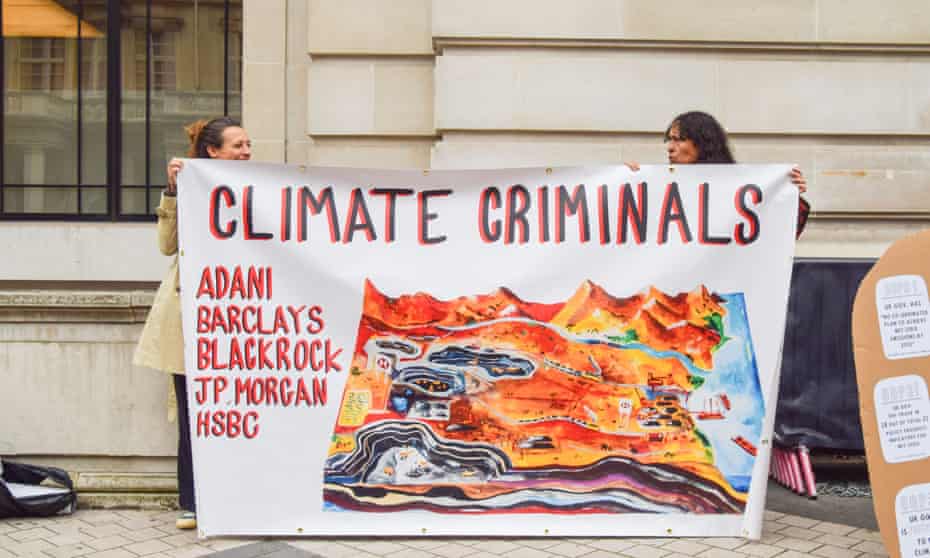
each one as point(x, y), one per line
point(697, 138)
point(161, 345)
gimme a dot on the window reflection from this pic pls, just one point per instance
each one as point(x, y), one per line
point(42, 44)
point(42, 64)
point(40, 116)
point(184, 61)
point(177, 65)
point(94, 111)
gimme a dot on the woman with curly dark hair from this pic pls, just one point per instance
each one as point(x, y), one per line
point(696, 137)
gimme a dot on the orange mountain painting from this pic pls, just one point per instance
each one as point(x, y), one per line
point(598, 404)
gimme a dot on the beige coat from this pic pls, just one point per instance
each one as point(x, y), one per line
point(161, 345)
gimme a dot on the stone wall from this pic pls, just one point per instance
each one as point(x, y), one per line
point(841, 88)
point(72, 398)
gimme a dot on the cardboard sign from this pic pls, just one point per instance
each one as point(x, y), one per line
point(574, 351)
point(891, 344)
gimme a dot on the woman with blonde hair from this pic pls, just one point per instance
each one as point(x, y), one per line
point(161, 345)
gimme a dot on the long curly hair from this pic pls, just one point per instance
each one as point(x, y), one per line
point(707, 134)
point(203, 133)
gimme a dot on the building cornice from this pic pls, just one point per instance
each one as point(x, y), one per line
point(440, 43)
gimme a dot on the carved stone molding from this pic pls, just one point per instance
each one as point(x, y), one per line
point(20, 305)
point(127, 500)
point(441, 43)
point(126, 482)
point(74, 299)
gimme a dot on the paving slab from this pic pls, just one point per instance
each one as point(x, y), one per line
point(151, 534)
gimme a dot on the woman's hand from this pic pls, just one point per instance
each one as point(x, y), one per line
point(797, 178)
point(632, 165)
point(174, 167)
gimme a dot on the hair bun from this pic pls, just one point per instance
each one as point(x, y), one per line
point(193, 133)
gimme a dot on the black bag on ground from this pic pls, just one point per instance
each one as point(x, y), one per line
point(23, 494)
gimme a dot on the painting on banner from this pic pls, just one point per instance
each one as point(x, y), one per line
point(451, 346)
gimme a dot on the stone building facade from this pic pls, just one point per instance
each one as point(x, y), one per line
point(840, 87)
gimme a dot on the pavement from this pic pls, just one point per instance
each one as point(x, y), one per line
point(137, 533)
point(857, 512)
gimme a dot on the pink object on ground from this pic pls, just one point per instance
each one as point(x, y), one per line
point(780, 468)
point(797, 481)
point(807, 471)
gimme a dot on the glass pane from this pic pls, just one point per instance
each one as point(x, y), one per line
point(40, 135)
point(133, 201)
point(187, 75)
point(94, 95)
point(94, 201)
point(184, 64)
point(39, 200)
point(235, 59)
point(132, 50)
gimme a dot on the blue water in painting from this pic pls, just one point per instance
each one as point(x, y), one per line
point(330, 507)
point(735, 374)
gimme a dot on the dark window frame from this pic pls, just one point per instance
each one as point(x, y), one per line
point(114, 143)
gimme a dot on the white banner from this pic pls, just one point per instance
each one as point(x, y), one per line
point(569, 351)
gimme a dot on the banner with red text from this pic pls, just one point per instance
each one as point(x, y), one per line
point(568, 351)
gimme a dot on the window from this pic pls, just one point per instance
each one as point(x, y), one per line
point(95, 97)
point(161, 57)
point(42, 63)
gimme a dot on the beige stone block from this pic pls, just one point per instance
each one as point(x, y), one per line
point(264, 31)
point(268, 151)
point(849, 239)
point(872, 178)
point(862, 176)
point(526, 18)
point(854, 176)
point(812, 95)
point(298, 66)
point(369, 26)
point(476, 91)
point(622, 91)
point(296, 152)
point(486, 152)
point(919, 91)
point(371, 153)
point(719, 20)
point(340, 96)
point(296, 79)
point(370, 96)
point(263, 100)
point(403, 93)
point(64, 332)
point(297, 46)
point(801, 154)
point(680, 20)
point(570, 90)
point(750, 150)
point(866, 21)
point(645, 152)
point(155, 468)
point(82, 399)
point(81, 252)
